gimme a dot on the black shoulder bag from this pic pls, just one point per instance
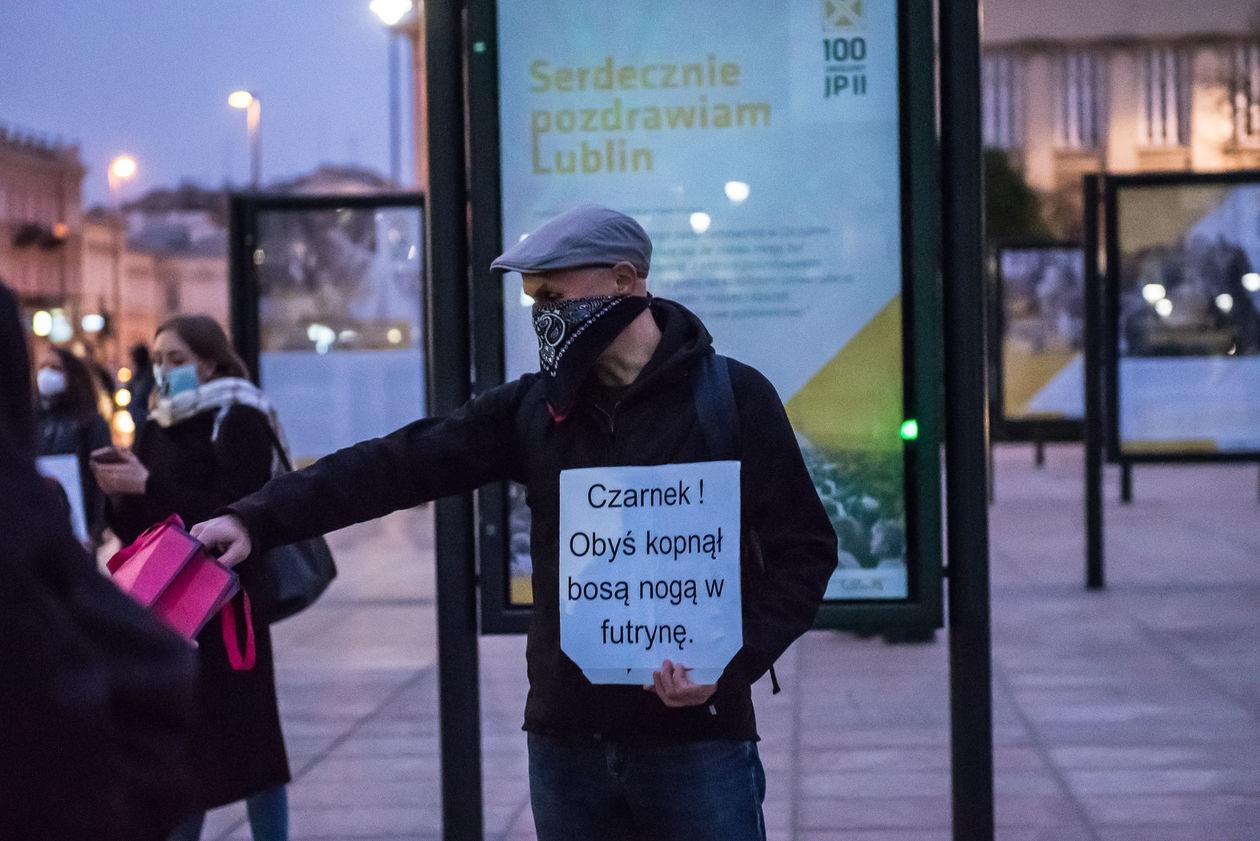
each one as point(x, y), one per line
point(290, 578)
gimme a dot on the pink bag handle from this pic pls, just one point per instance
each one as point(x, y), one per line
point(241, 661)
point(120, 557)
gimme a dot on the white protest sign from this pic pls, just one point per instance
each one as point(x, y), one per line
point(649, 569)
point(65, 469)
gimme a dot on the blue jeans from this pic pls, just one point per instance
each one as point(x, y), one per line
point(268, 813)
point(592, 789)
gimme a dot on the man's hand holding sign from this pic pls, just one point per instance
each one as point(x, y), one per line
point(649, 575)
point(674, 686)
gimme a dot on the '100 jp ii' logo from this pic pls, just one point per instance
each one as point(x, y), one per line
point(844, 72)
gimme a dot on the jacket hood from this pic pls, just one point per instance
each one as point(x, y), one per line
point(684, 339)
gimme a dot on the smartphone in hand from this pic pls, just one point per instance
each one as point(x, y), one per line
point(107, 455)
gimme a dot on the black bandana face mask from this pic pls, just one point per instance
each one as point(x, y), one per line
point(571, 336)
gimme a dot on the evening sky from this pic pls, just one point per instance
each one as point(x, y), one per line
point(151, 78)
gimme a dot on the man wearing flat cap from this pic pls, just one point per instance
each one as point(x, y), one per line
point(625, 379)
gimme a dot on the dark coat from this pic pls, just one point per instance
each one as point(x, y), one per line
point(239, 748)
point(60, 431)
point(96, 697)
point(653, 421)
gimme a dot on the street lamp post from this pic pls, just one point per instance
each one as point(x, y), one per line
point(120, 169)
point(391, 12)
point(248, 100)
point(395, 117)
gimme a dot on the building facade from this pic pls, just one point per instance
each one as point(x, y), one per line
point(1123, 86)
point(41, 220)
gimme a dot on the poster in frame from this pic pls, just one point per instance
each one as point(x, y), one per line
point(526, 107)
point(1182, 298)
point(1036, 342)
point(327, 311)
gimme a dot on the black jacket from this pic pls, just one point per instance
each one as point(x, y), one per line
point(653, 421)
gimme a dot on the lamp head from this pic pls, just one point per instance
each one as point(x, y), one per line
point(124, 166)
point(390, 11)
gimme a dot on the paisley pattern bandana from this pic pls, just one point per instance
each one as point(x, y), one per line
point(571, 336)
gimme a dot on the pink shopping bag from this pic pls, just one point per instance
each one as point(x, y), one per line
point(168, 571)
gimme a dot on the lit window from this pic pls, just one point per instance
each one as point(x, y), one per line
point(1245, 94)
point(1080, 95)
point(1002, 102)
point(1165, 114)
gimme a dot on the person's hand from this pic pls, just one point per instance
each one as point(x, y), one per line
point(225, 537)
point(118, 471)
point(675, 688)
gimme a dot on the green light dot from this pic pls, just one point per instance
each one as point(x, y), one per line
point(910, 429)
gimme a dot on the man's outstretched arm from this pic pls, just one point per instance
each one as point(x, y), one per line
point(424, 460)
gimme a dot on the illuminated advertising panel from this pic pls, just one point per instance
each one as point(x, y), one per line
point(1184, 282)
point(327, 309)
point(762, 148)
point(1039, 343)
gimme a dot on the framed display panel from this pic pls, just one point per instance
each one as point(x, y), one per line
point(327, 312)
point(783, 161)
point(1037, 341)
point(1182, 293)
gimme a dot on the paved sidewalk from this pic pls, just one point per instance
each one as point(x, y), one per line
point(1130, 714)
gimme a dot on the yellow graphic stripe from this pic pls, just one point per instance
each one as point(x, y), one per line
point(1189, 445)
point(1026, 372)
point(854, 402)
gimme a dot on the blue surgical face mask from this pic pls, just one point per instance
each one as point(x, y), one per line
point(176, 380)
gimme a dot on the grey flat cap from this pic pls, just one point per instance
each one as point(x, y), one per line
point(588, 235)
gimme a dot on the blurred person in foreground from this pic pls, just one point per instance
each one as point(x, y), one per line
point(68, 422)
point(211, 438)
point(96, 695)
point(619, 384)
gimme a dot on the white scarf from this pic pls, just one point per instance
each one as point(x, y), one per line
point(222, 394)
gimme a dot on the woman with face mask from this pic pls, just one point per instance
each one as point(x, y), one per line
point(211, 437)
point(68, 423)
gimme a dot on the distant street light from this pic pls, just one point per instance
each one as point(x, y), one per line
point(122, 168)
point(248, 100)
point(391, 12)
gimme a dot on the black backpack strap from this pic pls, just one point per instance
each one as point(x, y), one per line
point(719, 423)
point(715, 406)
